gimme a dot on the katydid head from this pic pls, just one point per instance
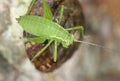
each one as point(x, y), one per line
point(69, 41)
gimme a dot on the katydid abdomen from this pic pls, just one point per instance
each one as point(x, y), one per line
point(48, 30)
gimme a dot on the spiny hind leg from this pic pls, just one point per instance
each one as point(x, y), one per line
point(42, 50)
point(30, 7)
point(77, 28)
point(61, 14)
point(55, 51)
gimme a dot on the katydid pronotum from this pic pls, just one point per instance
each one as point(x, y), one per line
point(44, 27)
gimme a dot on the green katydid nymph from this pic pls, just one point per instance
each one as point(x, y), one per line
point(45, 29)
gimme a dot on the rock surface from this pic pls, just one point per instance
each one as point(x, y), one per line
point(89, 63)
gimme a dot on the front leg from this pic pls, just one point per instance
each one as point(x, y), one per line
point(76, 28)
point(55, 51)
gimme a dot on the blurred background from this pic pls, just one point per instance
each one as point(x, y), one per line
point(89, 63)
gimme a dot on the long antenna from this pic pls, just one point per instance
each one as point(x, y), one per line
point(93, 44)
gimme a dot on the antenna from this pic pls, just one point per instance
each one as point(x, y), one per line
point(93, 44)
point(89, 43)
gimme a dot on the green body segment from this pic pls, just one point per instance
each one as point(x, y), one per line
point(46, 28)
